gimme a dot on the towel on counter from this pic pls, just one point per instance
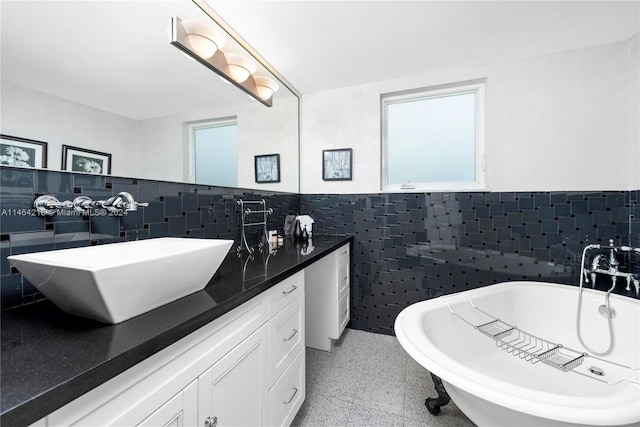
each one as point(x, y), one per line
point(306, 221)
point(289, 225)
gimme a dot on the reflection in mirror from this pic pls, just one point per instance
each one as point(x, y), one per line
point(214, 152)
point(122, 89)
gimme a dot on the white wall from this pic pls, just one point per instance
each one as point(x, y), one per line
point(556, 122)
point(568, 121)
point(35, 115)
point(634, 112)
point(270, 131)
point(261, 130)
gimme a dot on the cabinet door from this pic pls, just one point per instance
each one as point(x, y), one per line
point(234, 391)
point(181, 410)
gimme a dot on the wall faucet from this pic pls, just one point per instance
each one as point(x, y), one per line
point(124, 201)
point(613, 262)
point(48, 204)
point(611, 266)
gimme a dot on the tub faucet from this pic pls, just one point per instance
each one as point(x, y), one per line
point(608, 265)
point(613, 262)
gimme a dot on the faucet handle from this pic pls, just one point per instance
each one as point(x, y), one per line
point(82, 204)
point(47, 204)
point(127, 202)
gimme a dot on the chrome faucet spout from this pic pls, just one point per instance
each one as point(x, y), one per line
point(613, 262)
point(607, 264)
point(124, 201)
point(127, 202)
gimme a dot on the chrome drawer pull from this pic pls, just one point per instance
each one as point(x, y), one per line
point(293, 288)
point(295, 331)
point(211, 422)
point(295, 391)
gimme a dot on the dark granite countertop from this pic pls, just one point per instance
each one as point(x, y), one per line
point(49, 358)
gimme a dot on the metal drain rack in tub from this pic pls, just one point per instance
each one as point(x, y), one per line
point(525, 345)
point(535, 349)
point(530, 347)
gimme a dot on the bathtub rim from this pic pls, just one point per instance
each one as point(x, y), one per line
point(497, 391)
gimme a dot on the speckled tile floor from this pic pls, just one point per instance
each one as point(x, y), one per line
point(368, 380)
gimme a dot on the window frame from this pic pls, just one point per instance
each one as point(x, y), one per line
point(477, 87)
point(190, 146)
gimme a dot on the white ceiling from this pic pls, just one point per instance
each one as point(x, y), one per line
point(322, 45)
point(114, 55)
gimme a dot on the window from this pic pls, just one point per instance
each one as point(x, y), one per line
point(214, 152)
point(433, 139)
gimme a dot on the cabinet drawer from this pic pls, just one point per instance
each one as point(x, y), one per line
point(342, 316)
point(343, 253)
point(287, 395)
point(286, 335)
point(285, 292)
point(343, 279)
point(344, 264)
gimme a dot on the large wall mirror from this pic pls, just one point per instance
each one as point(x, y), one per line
point(102, 76)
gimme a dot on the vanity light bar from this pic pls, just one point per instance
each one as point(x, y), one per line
point(217, 63)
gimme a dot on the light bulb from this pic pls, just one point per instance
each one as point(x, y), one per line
point(204, 40)
point(265, 86)
point(240, 67)
point(204, 47)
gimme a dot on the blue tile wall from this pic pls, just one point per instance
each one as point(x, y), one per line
point(408, 247)
point(411, 247)
point(175, 209)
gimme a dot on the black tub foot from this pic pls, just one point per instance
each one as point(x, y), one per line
point(433, 404)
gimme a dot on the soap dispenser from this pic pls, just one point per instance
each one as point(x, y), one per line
point(297, 232)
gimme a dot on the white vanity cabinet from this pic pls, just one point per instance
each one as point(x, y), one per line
point(327, 294)
point(244, 368)
point(231, 392)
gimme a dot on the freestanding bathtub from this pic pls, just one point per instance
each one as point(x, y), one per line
point(498, 378)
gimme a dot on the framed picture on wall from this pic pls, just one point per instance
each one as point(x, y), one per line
point(337, 164)
point(76, 159)
point(26, 153)
point(267, 168)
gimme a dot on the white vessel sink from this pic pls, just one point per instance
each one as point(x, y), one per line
point(115, 282)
